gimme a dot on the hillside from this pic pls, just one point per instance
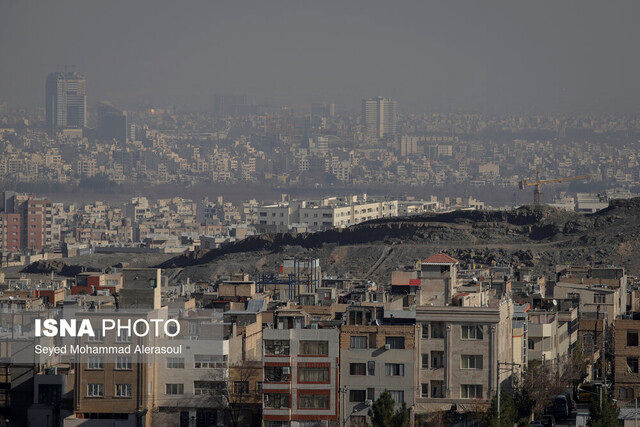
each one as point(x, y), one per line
point(533, 236)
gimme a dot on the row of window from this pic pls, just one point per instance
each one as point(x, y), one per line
point(282, 374)
point(201, 361)
point(307, 348)
point(359, 396)
point(305, 401)
point(199, 388)
point(369, 368)
point(361, 341)
point(435, 390)
point(437, 329)
point(97, 390)
point(435, 360)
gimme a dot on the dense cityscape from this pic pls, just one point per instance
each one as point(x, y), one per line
point(333, 214)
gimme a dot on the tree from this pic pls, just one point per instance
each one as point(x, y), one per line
point(508, 411)
point(241, 396)
point(383, 413)
point(575, 369)
point(605, 414)
point(538, 386)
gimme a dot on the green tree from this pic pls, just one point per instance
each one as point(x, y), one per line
point(384, 414)
point(603, 415)
point(508, 411)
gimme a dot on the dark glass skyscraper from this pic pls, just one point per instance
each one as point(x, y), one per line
point(66, 101)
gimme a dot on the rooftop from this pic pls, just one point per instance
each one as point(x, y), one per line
point(440, 258)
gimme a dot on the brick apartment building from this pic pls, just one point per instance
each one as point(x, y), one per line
point(374, 357)
point(626, 359)
point(25, 223)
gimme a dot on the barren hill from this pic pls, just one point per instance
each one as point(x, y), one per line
point(534, 236)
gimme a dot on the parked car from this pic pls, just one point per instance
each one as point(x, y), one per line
point(572, 403)
point(544, 421)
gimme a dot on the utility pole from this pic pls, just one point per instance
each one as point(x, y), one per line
point(603, 357)
point(498, 388)
point(509, 366)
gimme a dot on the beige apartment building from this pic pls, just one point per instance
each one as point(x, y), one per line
point(599, 290)
point(548, 338)
point(460, 351)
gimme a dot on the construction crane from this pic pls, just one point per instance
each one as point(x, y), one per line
point(537, 189)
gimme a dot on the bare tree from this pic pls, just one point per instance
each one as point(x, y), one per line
point(243, 396)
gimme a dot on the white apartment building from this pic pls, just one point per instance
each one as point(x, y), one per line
point(331, 212)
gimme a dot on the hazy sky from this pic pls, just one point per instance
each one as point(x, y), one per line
point(434, 55)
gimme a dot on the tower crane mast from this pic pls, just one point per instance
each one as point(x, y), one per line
point(537, 184)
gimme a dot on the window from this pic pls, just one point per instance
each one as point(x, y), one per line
point(357, 395)
point(259, 387)
point(437, 330)
point(471, 361)
point(313, 401)
point(123, 363)
point(175, 362)
point(425, 390)
point(123, 390)
point(123, 337)
point(531, 344)
point(357, 368)
point(599, 298)
point(632, 338)
point(313, 375)
point(472, 332)
point(437, 389)
point(371, 393)
point(193, 328)
point(395, 342)
point(425, 361)
point(203, 361)
point(98, 337)
point(471, 391)
point(241, 387)
point(277, 374)
point(95, 362)
point(371, 367)
point(276, 400)
point(632, 365)
point(174, 388)
point(394, 369)
point(359, 342)
point(276, 347)
point(437, 359)
point(95, 390)
point(213, 388)
point(397, 396)
point(425, 330)
point(314, 347)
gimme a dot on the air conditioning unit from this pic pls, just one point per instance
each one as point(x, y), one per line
point(387, 346)
point(286, 370)
point(368, 402)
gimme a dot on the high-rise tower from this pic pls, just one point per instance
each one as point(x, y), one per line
point(66, 101)
point(379, 117)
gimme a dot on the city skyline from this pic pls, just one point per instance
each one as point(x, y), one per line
point(299, 213)
point(430, 57)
